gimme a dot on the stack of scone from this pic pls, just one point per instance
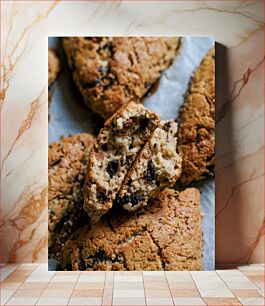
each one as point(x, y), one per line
point(112, 205)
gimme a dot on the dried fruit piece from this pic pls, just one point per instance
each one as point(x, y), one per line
point(112, 168)
point(150, 172)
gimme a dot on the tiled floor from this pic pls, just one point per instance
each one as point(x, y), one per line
point(32, 284)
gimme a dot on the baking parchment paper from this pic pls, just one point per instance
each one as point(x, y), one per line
point(69, 116)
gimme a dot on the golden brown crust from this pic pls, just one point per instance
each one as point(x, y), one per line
point(111, 71)
point(197, 123)
point(167, 236)
point(67, 165)
point(54, 66)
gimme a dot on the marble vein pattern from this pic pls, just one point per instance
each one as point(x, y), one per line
point(238, 28)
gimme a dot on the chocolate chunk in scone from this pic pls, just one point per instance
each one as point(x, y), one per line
point(117, 146)
point(67, 165)
point(167, 236)
point(196, 136)
point(111, 71)
point(158, 166)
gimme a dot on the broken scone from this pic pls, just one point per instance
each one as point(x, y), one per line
point(117, 146)
point(167, 236)
point(157, 167)
point(135, 156)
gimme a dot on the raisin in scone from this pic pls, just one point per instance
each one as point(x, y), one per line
point(158, 166)
point(117, 146)
point(67, 165)
point(196, 136)
point(111, 71)
point(167, 236)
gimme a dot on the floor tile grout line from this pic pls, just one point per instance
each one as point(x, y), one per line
point(223, 282)
point(222, 298)
point(8, 273)
point(10, 297)
point(112, 290)
point(76, 282)
point(169, 289)
point(13, 271)
point(104, 289)
point(228, 287)
point(239, 282)
point(213, 289)
point(242, 274)
point(68, 299)
point(41, 293)
point(144, 288)
point(47, 284)
point(37, 265)
point(233, 292)
point(219, 276)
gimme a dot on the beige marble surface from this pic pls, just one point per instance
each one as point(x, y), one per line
point(237, 25)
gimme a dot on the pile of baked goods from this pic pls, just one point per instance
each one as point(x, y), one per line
point(113, 199)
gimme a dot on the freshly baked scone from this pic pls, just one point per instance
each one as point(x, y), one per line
point(196, 136)
point(67, 165)
point(116, 148)
point(158, 166)
point(74, 218)
point(111, 71)
point(54, 66)
point(167, 236)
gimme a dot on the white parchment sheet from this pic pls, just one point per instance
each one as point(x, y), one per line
point(69, 116)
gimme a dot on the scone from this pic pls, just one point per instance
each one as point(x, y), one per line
point(67, 165)
point(54, 66)
point(167, 236)
point(111, 71)
point(158, 166)
point(117, 146)
point(196, 136)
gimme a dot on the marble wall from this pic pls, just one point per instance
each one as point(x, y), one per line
point(238, 27)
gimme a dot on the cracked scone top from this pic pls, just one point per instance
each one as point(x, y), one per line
point(196, 136)
point(67, 165)
point(116, 148)
point(111, 71)
point(158, 166)
point(167, 236)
